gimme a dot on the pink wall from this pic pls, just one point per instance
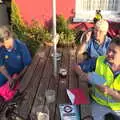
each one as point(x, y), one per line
point(41, 10)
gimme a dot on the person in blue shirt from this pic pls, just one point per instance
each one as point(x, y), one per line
point(14, 57)
point(103, 73)
point(95, 42)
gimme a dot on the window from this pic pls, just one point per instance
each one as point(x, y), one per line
point(85, 9)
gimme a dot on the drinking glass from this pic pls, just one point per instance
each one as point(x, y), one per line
point(50, 96)
point(42, 112)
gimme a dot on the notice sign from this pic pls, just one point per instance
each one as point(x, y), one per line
point(69, 112)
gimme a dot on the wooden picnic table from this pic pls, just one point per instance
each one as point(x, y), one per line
point(40, 77)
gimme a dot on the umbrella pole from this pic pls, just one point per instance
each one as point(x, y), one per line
point(54, 36)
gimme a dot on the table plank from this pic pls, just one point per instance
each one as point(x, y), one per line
point(48, 82)
point(25, 108)
point(73, 80)
point(63, 83)
point(44, 82)
point(54, 84)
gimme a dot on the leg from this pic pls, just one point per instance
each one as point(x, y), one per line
point(99, 111)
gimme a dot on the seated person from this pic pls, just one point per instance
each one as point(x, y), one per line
point(14, 60)
point(95, 44)
point(105, 80)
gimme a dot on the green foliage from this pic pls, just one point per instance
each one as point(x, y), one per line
point(32, 34)
point(62, 24)
point(66, 34)
point(67, 37)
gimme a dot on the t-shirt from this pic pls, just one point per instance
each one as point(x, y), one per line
point(94, 49)
point(14, 59)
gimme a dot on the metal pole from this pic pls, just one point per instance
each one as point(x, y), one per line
point(54, 36)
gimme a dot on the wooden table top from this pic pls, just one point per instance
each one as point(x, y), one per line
point(40, 75)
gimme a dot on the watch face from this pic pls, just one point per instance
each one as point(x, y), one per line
point(67, 109)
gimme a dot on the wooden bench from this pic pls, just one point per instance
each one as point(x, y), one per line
point(39, 77)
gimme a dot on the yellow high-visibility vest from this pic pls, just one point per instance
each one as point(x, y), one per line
point(104, 70)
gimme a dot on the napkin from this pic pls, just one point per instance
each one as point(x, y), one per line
point(77, 96)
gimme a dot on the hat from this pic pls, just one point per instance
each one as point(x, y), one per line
point(102, 25)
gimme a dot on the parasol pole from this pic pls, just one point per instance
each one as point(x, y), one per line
point(54, 37)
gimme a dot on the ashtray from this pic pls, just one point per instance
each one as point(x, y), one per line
point(63, 72)
point(58, 56)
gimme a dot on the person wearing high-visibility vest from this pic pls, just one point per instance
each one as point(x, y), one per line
point(105, 80)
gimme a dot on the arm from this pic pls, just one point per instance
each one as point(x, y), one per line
point(17, 77)
point(9, 78)
point(77, 69)
point(12, 81)
point(115, 94)
point(26, 57)
point(22, 73)
point(109, 91)
point(85, 38)
point(84, 67)
point(5, 73)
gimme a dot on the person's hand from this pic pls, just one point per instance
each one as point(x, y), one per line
point(109, 91)
point(83, 74)
point(11, 84)
point(77, 69)
point(13, 81)
point(88, 36)
point(105, 89)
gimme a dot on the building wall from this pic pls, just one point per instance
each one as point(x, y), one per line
point(41, 10)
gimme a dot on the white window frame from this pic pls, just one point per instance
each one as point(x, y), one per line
point(87, 16)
